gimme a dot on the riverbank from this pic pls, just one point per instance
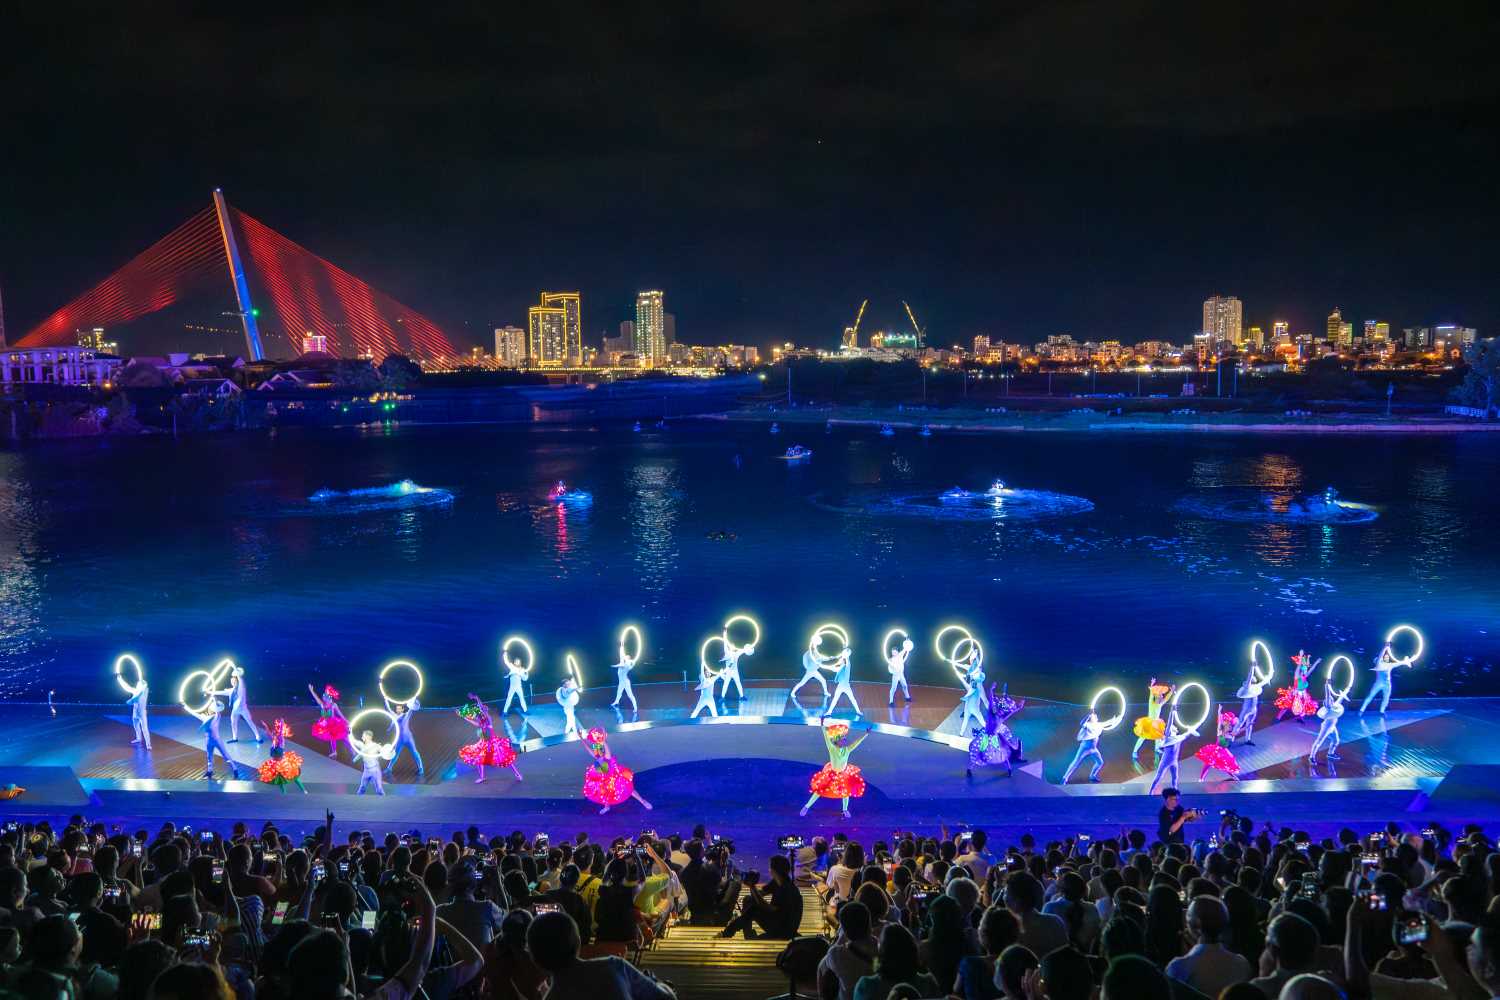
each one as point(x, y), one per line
point(1084, 419)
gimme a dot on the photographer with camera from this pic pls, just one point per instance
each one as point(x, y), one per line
point(1172, 818)
point(776, 906)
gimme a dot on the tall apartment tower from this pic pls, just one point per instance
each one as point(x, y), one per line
point(650, 329)
point(1223, 316)
point(572, 308)
point(510, 346)
point(1335, 329)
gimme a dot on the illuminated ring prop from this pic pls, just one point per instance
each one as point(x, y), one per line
point(885, 644)
point(640, 644)
point(937, 642)
point(571, 663)
point(1332, 666)
point(1094, 706)
point(380, 682)
point(960, 667)
point(1262, 678)
point(140, 673)
point(1207, 705)
point(706, 671)
point(516, 640)
point(354, 724)
point(755, 625)
point(211, 681)
point(1406, 661)
point(816, 643)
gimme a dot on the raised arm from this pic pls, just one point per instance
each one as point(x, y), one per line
point(317, 698)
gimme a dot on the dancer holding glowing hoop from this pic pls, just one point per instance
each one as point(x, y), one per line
point(895, 663)
point(1295, 699)
point(1170, 747)
point(331, 724)
point(1250, 691)
point(607, 782)
point(1386, 664)
point(1332, 710)
point(1149, 726)
point(838, 779)
point(708, 678)
point(1089, 732)
point(843, 669)
point(138, 691)
point(371, 753)
point(516, 674)
point(968, 663)
point(489, 750)
point(626, 664)
point(730, 674)
point(401, 710)
point(568, 695)
point(814, 662)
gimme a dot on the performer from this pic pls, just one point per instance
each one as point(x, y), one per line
point(403, 710)
point(1249, 695)
point(1328, 729)
point(213, 741)
point(137, 701)
point(239, 706)
point(607, 782)
point(995, 743)
point(708, 678)
point(516, 678)
point(730, 674)
point(813, 665)
point(331, 724)
point(622, 672)
point(1295, 699)
point(895, 663)
point(567, 698)
point(842, 670)
point(1216, 756)
point(371, 753)
point(1169, 750)
point(1385, 664)
point(489, 749)
point(973, 704)
point(1149, 726)
point(838, 779)
point(283, 765)
point(1089, 731)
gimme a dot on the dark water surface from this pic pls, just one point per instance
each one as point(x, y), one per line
point(183, 551)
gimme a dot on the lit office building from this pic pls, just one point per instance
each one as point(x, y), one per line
point(572, 308)
point(650, 329)
point(1335, 327)
point(510, 346)
point(1222, 319)
point(547, 336)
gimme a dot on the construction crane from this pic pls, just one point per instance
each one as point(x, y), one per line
point(851, 333)
point(921, 333)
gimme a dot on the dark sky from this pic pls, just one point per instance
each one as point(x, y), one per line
point(1016, 169)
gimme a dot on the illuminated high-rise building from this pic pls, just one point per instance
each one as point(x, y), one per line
point(1346, 335)
point(1377, 333)
point(650, 329)
point(510, 346)
point(547, 336)
point(1453, 337)
point(981, 345)
point(669, 329)
point(1222, 318)
point(1335, 326)
point(1281, 332)
point(572, 308)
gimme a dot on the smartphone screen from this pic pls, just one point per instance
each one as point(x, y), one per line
point(367, 920)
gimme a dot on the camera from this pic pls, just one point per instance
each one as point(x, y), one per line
point(790, 843)
point(331, 919)
point(343, 868)
point(113, 894)
point(278, 916)
point(318, 871)
point(206, 837)
point(540, 840)
point(1369, 859)
point(541, 908)
point(750, 878)
point(1375, 901)
point(198, 939)
point(1084, 838)
point(1412, 929)
point(218, 873)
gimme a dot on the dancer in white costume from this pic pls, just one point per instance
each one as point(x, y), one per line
point(730, 673)
point(1089, 731)
point(627, 663)
point(402, 711)
point(1250, 691)
point(516, 674)
point(1331, 711)
point(213, 741)
point(708, 679)
point(1386, 664)
point(895, 663)
point(970, 669)
point(1169, 747)
point(567, 698)
point(842, 688)
point(239, 706)
point(139, 692)
point(371, 753)
point(812, 670)
point(814, 662)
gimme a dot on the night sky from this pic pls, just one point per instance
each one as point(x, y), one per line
point(1022, 169)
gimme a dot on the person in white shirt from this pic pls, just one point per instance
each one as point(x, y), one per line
point(1385, 663)
point(895, 662)
point(567, 698)
point(373, 755)
point(852, 955)
point(975, 858)
point(1209, 967)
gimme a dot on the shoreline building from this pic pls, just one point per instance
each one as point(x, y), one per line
point(510, 346)
point(555, 331)
point(650, 333)
point(1223, 321)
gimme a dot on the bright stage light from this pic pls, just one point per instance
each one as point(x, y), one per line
point(1332, 666)
point(1262, 678)
point(355, 731)
point(570, 663)
point(1094, 706)
point(396, 665)
point(140, 673)
point(885, 644)
point(1207, 705)
point(208, 682)
point(505, 657)
point(640, 643)
point(705, 669)
point(754, 625)
point(937, 641)
point(1406, 661)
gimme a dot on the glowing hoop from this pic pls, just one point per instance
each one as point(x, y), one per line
point(829, 629)
point(1094, 707)
point(394, 664)
point(208, 686)
point(962, 654)
point(1262, 678)
point(354, 725)
point(516, 640)
point(754, 625)
point(1207, 705)
point(140, 673)
point(706, 672)
point(885, 644)
point(937, 641)
point(1329, 676)
point(1406, 661)
point(571, 664)
point(640, 644)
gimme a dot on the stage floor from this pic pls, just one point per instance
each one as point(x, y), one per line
point(749, 769)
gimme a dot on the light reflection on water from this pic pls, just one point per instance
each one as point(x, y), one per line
point(107, 545)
